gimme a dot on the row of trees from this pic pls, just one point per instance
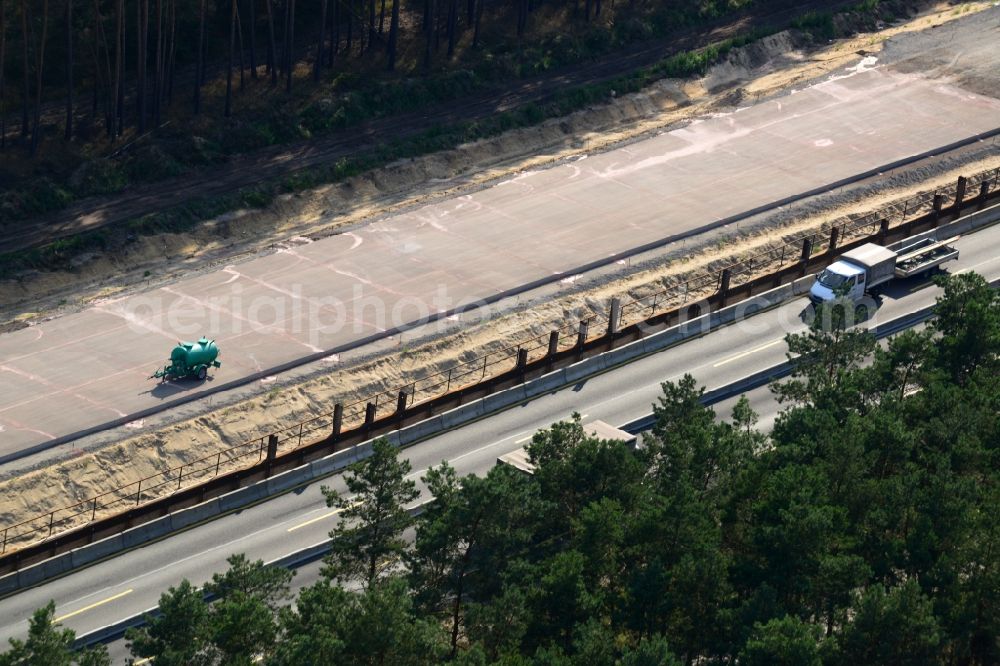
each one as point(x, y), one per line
point(137, 50)
point(862, 531)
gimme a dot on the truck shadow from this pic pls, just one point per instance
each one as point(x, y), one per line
point(851, 313)
point(173, 388)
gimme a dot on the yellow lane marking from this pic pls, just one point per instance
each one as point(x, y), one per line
point(92, 606)
point(144, 660)
point(747, 353)
point(319, 518)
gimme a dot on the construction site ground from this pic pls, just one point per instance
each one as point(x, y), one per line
point(82, 468)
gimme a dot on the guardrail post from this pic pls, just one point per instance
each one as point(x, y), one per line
point(581, 336)
point(272, 453)
point(963, 182)
point(553, 343)
point(984, 191)
point(807, 248)
point(883, 230)
point(522, 361)
point(937, 206)
point(338, 419)
point(724, 279)
point(614, 319)
point(401, 402)
point(834, 237)
point(369, 415)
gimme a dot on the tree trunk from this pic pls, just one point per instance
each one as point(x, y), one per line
point(393, 35)
point(26, 93)
point(475, 30)
point(3, 64)
point(334, 33)
point(272, 65)
point(99, 81)
point(586, 11)
point(229, 69)
point(239, 38)
point(171, 60)
point(452, 22)
point(158, 64)
point(457, 605)
point(36, 133)
point(284, 39)
point(429, 31)
point(350, 26)
point(318, 65)
point(200, 66)
point(381, 18)
point(142, 25)
point(470, 12)
point(118, 94)
point(253, 39)
point(371, 23)
point(69, 70)
point(361, 26)
point(597, 8)
point(290, 63)
point(437, 27)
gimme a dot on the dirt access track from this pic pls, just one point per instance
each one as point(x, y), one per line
point(71, 375)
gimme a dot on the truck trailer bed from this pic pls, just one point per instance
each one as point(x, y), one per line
point(923, 256)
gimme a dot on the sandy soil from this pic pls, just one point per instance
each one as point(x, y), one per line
point(770, 66)
point(757, 71)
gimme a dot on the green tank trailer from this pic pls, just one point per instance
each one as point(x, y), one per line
point(190, 359)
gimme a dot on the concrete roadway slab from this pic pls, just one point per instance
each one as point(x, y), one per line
point(82, 371)
point(296, 520)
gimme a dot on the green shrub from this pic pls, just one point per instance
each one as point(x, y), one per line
point(97, 176)
point(151, 163)
point(817, 24)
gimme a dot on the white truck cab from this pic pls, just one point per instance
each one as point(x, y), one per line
point(839, 279)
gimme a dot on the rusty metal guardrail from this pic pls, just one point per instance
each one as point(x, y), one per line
point(778, 263)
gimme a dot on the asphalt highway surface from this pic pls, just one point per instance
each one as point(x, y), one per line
point(132, 582)
point(85, 371)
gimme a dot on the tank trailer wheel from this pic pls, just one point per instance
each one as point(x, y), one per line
point(860, 313)
point(202, 373)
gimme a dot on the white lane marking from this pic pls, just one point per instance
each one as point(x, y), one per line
point(748, 352)
point(974, 266)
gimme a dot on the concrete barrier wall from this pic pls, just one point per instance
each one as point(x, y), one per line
point(448, 420)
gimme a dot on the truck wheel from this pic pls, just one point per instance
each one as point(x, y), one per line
point(202, 373)
point(860, 313)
